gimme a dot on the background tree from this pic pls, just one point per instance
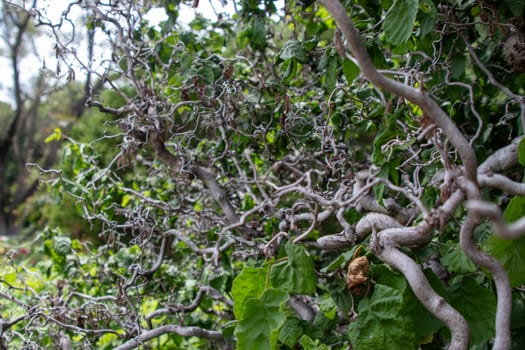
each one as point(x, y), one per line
point(32, 111)
point(334, 175)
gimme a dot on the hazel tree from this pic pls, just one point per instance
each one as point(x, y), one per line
point(337, 174)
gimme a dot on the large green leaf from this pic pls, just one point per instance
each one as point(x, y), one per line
point(291, 332)
point(296, 274)
point(427, 19)
point(511, 253)
point(331, 73)
point(515, 209)
point(260, 321)
point(393, 318)
point(518, 310)
point(515, 6)
point(250, 283)
point(399, 21)
point(477, 305)
point(382, 324)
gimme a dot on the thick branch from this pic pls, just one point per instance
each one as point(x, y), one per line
point(216, 191)
point(501, 228)
point(417, 96)
point(302, 308)
point(501, 279)
point(202, 173)
point(503, 159)
point(428, 297)
point(171, 328)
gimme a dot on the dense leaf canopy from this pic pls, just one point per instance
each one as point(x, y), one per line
point(343, 175)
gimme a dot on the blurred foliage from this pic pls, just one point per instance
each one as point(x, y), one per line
point(265, 100)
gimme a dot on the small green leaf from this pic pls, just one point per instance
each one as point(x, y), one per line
point(399, 21)
point(207, 73)
point(62, 245)
point(261, 320)
point(331, 73)
point(9, 277)
point(329, 309)
point(290, 70)
point(309, 344)
point(198, 206)
point(457, 261)
point(270, 136)
point(296, 274)
point(340, 262)
point(125, 200)
point(55, 136)
point(293, 49)
point(350, 70)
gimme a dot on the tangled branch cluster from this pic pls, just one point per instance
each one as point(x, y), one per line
point(212, 149)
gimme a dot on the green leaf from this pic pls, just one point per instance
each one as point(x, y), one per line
point(350, 70)
point(309, 344)
point(511, 254)
point(426, 324)
point(521, 152)
point(458, 65)
point(258, 34)
point(62, 245)
point(254, 35)
point(296, 274)
point(328, 308)
point(427, 20)
point(515, 6)
point(518, 310)
point(291, 331)
point(290, 70)
point(399, 21)
point(9, 277)
point(340, 295)
point(331, 73)
point(293, 49)
point(340, 262)
point(477, 305)
point(457, 261)
point(260, 321)
point(125, 200)
point(392, 317)
point(382, 322)
point(271, 136)
point(379, 189)
point(250, 283)
point(515, 209)
point(55, 136)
